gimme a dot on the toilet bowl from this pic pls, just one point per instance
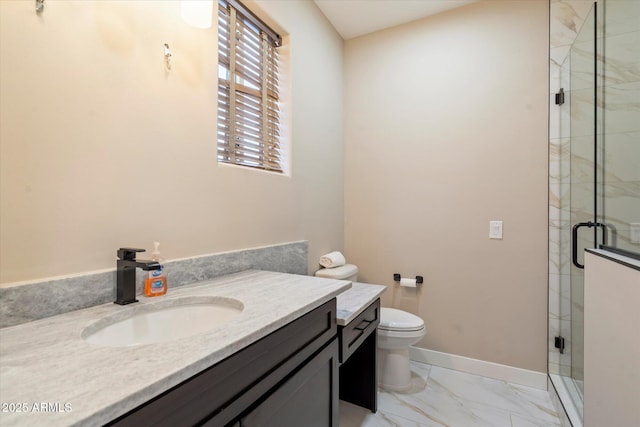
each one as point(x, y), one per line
point(396, 332)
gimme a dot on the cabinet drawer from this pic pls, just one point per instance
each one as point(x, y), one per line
point(356, 331)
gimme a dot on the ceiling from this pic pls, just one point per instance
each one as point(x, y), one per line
point(353, 18)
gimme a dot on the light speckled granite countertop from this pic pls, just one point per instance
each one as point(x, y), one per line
point(47, 362)
point(353, 301)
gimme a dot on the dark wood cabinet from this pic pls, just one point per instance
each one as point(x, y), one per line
point(308, 397)
point(291, 373)
point(358, 345)
point(353, 334)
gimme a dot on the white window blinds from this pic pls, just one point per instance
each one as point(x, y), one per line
point(248, 112)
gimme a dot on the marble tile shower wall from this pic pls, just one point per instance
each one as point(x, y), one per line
point(39, 299)
point(620, 178)
point(566, 19)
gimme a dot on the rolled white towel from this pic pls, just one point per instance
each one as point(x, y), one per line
point(332, 260)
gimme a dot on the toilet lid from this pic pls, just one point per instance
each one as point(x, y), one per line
point(339, 273)
point(398, 320)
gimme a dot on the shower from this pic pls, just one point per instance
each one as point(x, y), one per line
point(594, 166)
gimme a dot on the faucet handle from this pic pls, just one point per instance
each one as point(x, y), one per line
point(128, 254)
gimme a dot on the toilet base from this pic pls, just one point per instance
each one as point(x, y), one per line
point(394, 373)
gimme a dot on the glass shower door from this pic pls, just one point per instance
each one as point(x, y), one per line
point(579, 203)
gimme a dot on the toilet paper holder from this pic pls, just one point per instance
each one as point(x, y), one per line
point(397, 277)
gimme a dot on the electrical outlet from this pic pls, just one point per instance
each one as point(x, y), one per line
point(634, 232)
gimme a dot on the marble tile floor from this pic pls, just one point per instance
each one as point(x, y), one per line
point(444, 397)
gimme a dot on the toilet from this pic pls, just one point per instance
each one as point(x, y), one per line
point(396, 332)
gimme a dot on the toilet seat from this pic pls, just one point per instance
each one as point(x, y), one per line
point(392, 319)
point(405, 335)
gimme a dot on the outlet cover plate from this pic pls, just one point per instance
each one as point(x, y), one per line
point(634, 232)
point(495, 229)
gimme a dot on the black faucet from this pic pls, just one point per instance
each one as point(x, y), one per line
point(126, 274)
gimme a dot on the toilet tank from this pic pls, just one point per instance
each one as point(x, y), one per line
point(345, 272)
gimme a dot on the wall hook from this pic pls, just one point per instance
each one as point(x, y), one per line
point(39, 6)
point(167, 56)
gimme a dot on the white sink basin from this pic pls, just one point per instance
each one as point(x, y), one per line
point(162, 321)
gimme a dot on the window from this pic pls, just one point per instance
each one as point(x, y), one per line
point(248, 104)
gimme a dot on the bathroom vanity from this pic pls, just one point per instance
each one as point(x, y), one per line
point(274, 364)
point(287, 376)
point(298, 344)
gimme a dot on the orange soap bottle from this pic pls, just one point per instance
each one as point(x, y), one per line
point(156, 284)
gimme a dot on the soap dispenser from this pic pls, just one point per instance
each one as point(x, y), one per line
point(156, 284)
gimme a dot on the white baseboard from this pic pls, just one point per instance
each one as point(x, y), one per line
point(497, 371)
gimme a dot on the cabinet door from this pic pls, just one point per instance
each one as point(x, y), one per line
point(308, 398)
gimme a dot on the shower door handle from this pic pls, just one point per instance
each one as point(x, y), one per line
point(574, 238)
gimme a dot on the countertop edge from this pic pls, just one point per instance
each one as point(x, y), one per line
point(354, 301)
point(616, 257)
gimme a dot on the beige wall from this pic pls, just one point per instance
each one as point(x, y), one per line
point(101, 148)
point(446, 129)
